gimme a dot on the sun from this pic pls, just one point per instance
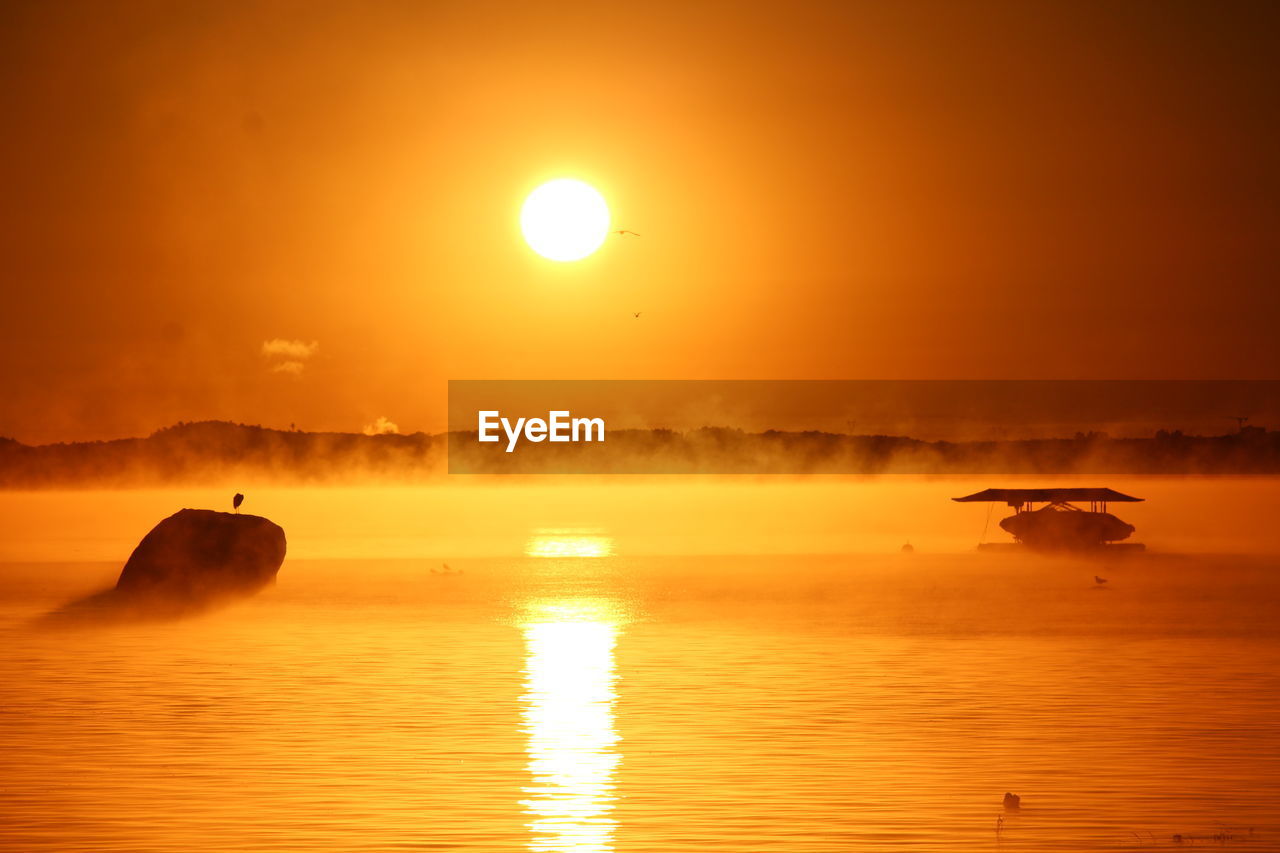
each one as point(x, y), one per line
point(565, 220)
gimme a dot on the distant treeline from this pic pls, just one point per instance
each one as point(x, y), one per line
point(219, 452)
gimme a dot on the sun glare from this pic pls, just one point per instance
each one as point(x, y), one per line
point(565, 220)
point(567, 709)
point(585, 542)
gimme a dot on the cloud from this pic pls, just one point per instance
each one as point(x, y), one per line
point(381, 426)
point(284, 356)
point(295, 350)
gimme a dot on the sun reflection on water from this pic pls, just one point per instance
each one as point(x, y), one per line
point(567, 710)
point(569, 542)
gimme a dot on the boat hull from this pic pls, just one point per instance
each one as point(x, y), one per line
point(1054, 529)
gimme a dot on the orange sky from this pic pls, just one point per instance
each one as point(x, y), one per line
point(950, 190)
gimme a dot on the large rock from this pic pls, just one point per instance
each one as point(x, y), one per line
point(193, 560)
point(202, 555)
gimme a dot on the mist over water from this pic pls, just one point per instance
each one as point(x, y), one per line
point(493, 516)
point(580, 665)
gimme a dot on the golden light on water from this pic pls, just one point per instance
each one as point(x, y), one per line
point(567, 710)
point(569, 543)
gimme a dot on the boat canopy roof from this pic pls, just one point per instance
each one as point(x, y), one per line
point(1017, 496)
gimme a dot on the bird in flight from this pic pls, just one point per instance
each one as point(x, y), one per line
point(622, 232)
point(637, 315)
point(236, 501)
point(1099, 580)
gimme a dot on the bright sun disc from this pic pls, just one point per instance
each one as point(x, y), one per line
point(564, 220)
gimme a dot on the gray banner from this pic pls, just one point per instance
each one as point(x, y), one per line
point(861, 427)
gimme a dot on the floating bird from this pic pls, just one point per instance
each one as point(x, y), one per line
point(1012, 802)
point(908, 548)
point(236, 501)
point(1099, 580)
point(625, 231)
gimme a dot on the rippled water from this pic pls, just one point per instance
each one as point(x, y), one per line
point(568, 694)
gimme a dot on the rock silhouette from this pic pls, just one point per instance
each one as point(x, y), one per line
point(191, 561)
point(200, 554)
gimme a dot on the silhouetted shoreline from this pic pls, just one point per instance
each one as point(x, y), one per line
point(216, 451)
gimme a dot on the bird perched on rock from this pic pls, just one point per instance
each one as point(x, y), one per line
point(236, 501)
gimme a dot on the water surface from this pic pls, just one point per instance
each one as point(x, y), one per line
point(590, 677)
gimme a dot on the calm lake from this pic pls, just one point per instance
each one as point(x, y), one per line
point(743, 664)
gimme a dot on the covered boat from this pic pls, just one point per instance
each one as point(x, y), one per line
point(1060, 525)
